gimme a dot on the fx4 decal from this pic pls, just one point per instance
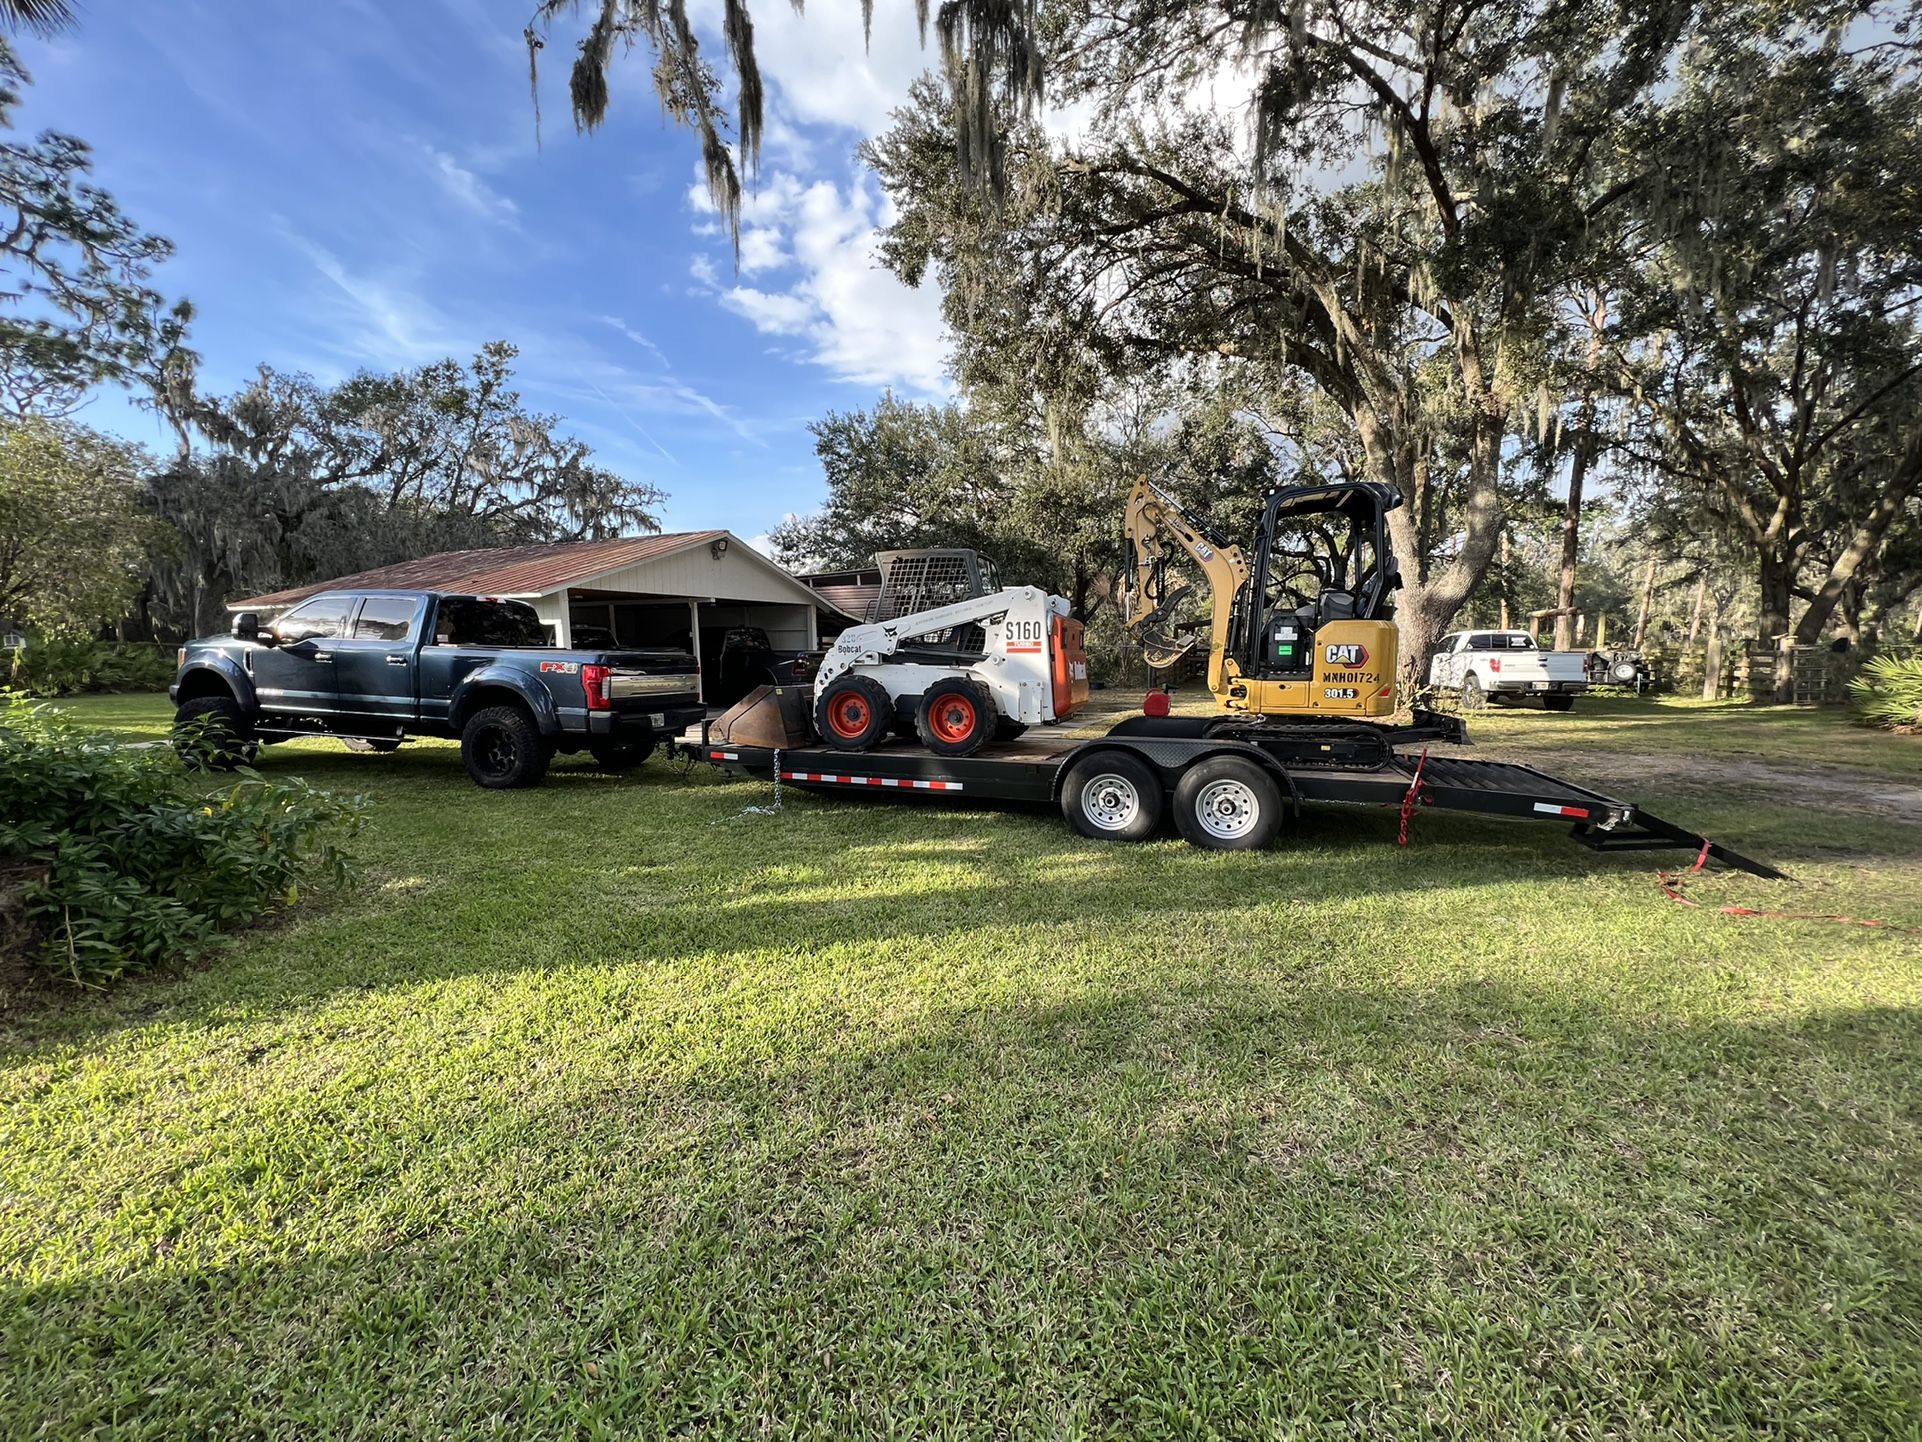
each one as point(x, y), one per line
point(566, 668)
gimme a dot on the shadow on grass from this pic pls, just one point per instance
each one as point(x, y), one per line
point(1167, 1213)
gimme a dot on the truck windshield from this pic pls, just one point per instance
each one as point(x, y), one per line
point(472, 621)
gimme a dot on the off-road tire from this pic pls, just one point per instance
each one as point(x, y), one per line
point(503, 749)
point(853, 714)
point(1113, 796)
point(957, 716)
point(225, 737)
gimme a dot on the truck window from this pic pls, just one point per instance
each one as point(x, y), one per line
point(319, 619)
point(474, 621)
point(385, 618)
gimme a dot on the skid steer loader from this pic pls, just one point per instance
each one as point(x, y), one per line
point(957, 676)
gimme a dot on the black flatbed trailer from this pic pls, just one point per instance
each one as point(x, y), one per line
point(1040, 769)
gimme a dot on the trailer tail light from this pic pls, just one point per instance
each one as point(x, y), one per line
point(1495, 663)
point(596, 684)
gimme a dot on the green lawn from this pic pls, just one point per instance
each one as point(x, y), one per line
point(616, 1109)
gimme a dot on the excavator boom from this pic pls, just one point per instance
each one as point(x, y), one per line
point(1159, 532)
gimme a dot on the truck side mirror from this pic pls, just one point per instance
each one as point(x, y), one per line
point(247, 626)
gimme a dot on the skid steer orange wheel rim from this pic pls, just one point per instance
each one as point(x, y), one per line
point(848, 714)
point(953, 719)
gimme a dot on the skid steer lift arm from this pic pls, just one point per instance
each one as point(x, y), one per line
point(1158, 529)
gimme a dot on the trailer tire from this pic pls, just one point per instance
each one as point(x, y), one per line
point(503, 749)
point(957, 716)
point(854, 713)
point(1112, 796)
point(1227, 803)
point(1558, 703)
point(1473, 697)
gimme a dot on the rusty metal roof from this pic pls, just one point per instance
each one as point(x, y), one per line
point(506, 571)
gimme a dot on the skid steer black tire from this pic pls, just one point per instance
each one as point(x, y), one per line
point(503, 749)
point(1113, 796)
point(957, 716)
point(211, 734)
point(1227, 803)
point(854, 713)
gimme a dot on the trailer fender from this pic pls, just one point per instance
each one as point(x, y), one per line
point(1171, 755)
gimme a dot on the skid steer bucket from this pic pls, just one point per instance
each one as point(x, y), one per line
point(777, 717)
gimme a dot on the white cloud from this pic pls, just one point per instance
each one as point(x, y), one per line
point(469, 190)
point(379, 323)
point(856, 319)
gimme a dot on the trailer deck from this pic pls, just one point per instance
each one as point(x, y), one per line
point(1031, 770)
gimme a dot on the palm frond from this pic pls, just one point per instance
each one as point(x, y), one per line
point(42, 17)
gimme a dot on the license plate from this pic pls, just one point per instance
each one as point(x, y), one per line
point(657, 719)
point(1539, 685)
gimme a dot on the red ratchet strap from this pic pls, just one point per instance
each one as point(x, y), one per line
point(1673, 884)
point(1415, 797)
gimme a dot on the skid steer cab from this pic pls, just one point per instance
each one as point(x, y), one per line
point(958, 677)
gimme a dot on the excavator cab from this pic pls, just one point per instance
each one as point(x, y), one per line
point(1321, 555)
point(1300, 625)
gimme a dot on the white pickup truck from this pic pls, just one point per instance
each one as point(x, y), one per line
point(1507, 666)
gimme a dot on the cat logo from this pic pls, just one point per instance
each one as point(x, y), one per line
point(1350, 655)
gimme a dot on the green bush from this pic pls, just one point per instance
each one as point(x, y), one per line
point(66, 666)
point(131, 862)
point(1888, 692)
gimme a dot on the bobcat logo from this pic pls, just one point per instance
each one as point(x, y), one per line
point(1349, 655)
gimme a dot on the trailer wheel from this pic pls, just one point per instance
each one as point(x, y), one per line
point(1473, 697)
point(503, 749)
point(1558, 703)
point(1227, 804)
point(854, 713)
point(957, 717)
point(1112, 796)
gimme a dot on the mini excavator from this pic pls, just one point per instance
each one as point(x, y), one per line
point(1301, 639)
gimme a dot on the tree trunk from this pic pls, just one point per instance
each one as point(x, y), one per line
point(1712, 661)
point(1502, 585)
point(1866, 541)
point(1648, 605)
point(1572, 540)
point(1775, 578)
point(1695, 615)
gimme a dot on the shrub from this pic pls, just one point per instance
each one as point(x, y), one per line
point(132, 862)
point(1888, 692)
point(68, 666)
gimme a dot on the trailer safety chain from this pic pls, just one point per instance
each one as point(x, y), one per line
point(1672, 884)
point(767, 810)
point(1415, 797)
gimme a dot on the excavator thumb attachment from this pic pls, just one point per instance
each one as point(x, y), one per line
point(777, 717)
point(1160, 646)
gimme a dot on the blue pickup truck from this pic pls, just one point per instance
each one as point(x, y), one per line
point(377, 667)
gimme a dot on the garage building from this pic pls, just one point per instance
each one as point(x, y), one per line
point(641, 590)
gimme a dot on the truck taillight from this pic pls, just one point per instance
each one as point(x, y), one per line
point(1494, 663)
point(596, 683)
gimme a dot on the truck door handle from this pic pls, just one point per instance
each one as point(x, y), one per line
point(323, 655)
point(396, 660)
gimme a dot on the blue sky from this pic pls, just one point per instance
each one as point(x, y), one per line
point(354, 184)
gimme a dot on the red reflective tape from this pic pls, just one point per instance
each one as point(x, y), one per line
point(1579, 812)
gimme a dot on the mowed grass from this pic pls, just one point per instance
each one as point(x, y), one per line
point(619, 1109)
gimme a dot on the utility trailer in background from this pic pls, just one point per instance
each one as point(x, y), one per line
point(1228, 787)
